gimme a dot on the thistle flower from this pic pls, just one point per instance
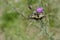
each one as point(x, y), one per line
point(39, 10)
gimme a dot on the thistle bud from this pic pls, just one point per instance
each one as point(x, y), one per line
point(30, 7)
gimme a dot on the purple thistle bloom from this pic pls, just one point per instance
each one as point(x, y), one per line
point(39, 10)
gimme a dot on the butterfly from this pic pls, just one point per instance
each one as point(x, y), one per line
point(37, 16)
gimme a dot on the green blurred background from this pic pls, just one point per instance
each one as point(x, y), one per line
point(15, 26)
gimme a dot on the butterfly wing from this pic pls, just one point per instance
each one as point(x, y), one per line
point(41, 16)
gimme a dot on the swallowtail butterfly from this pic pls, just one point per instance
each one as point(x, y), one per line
point(37, 16)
